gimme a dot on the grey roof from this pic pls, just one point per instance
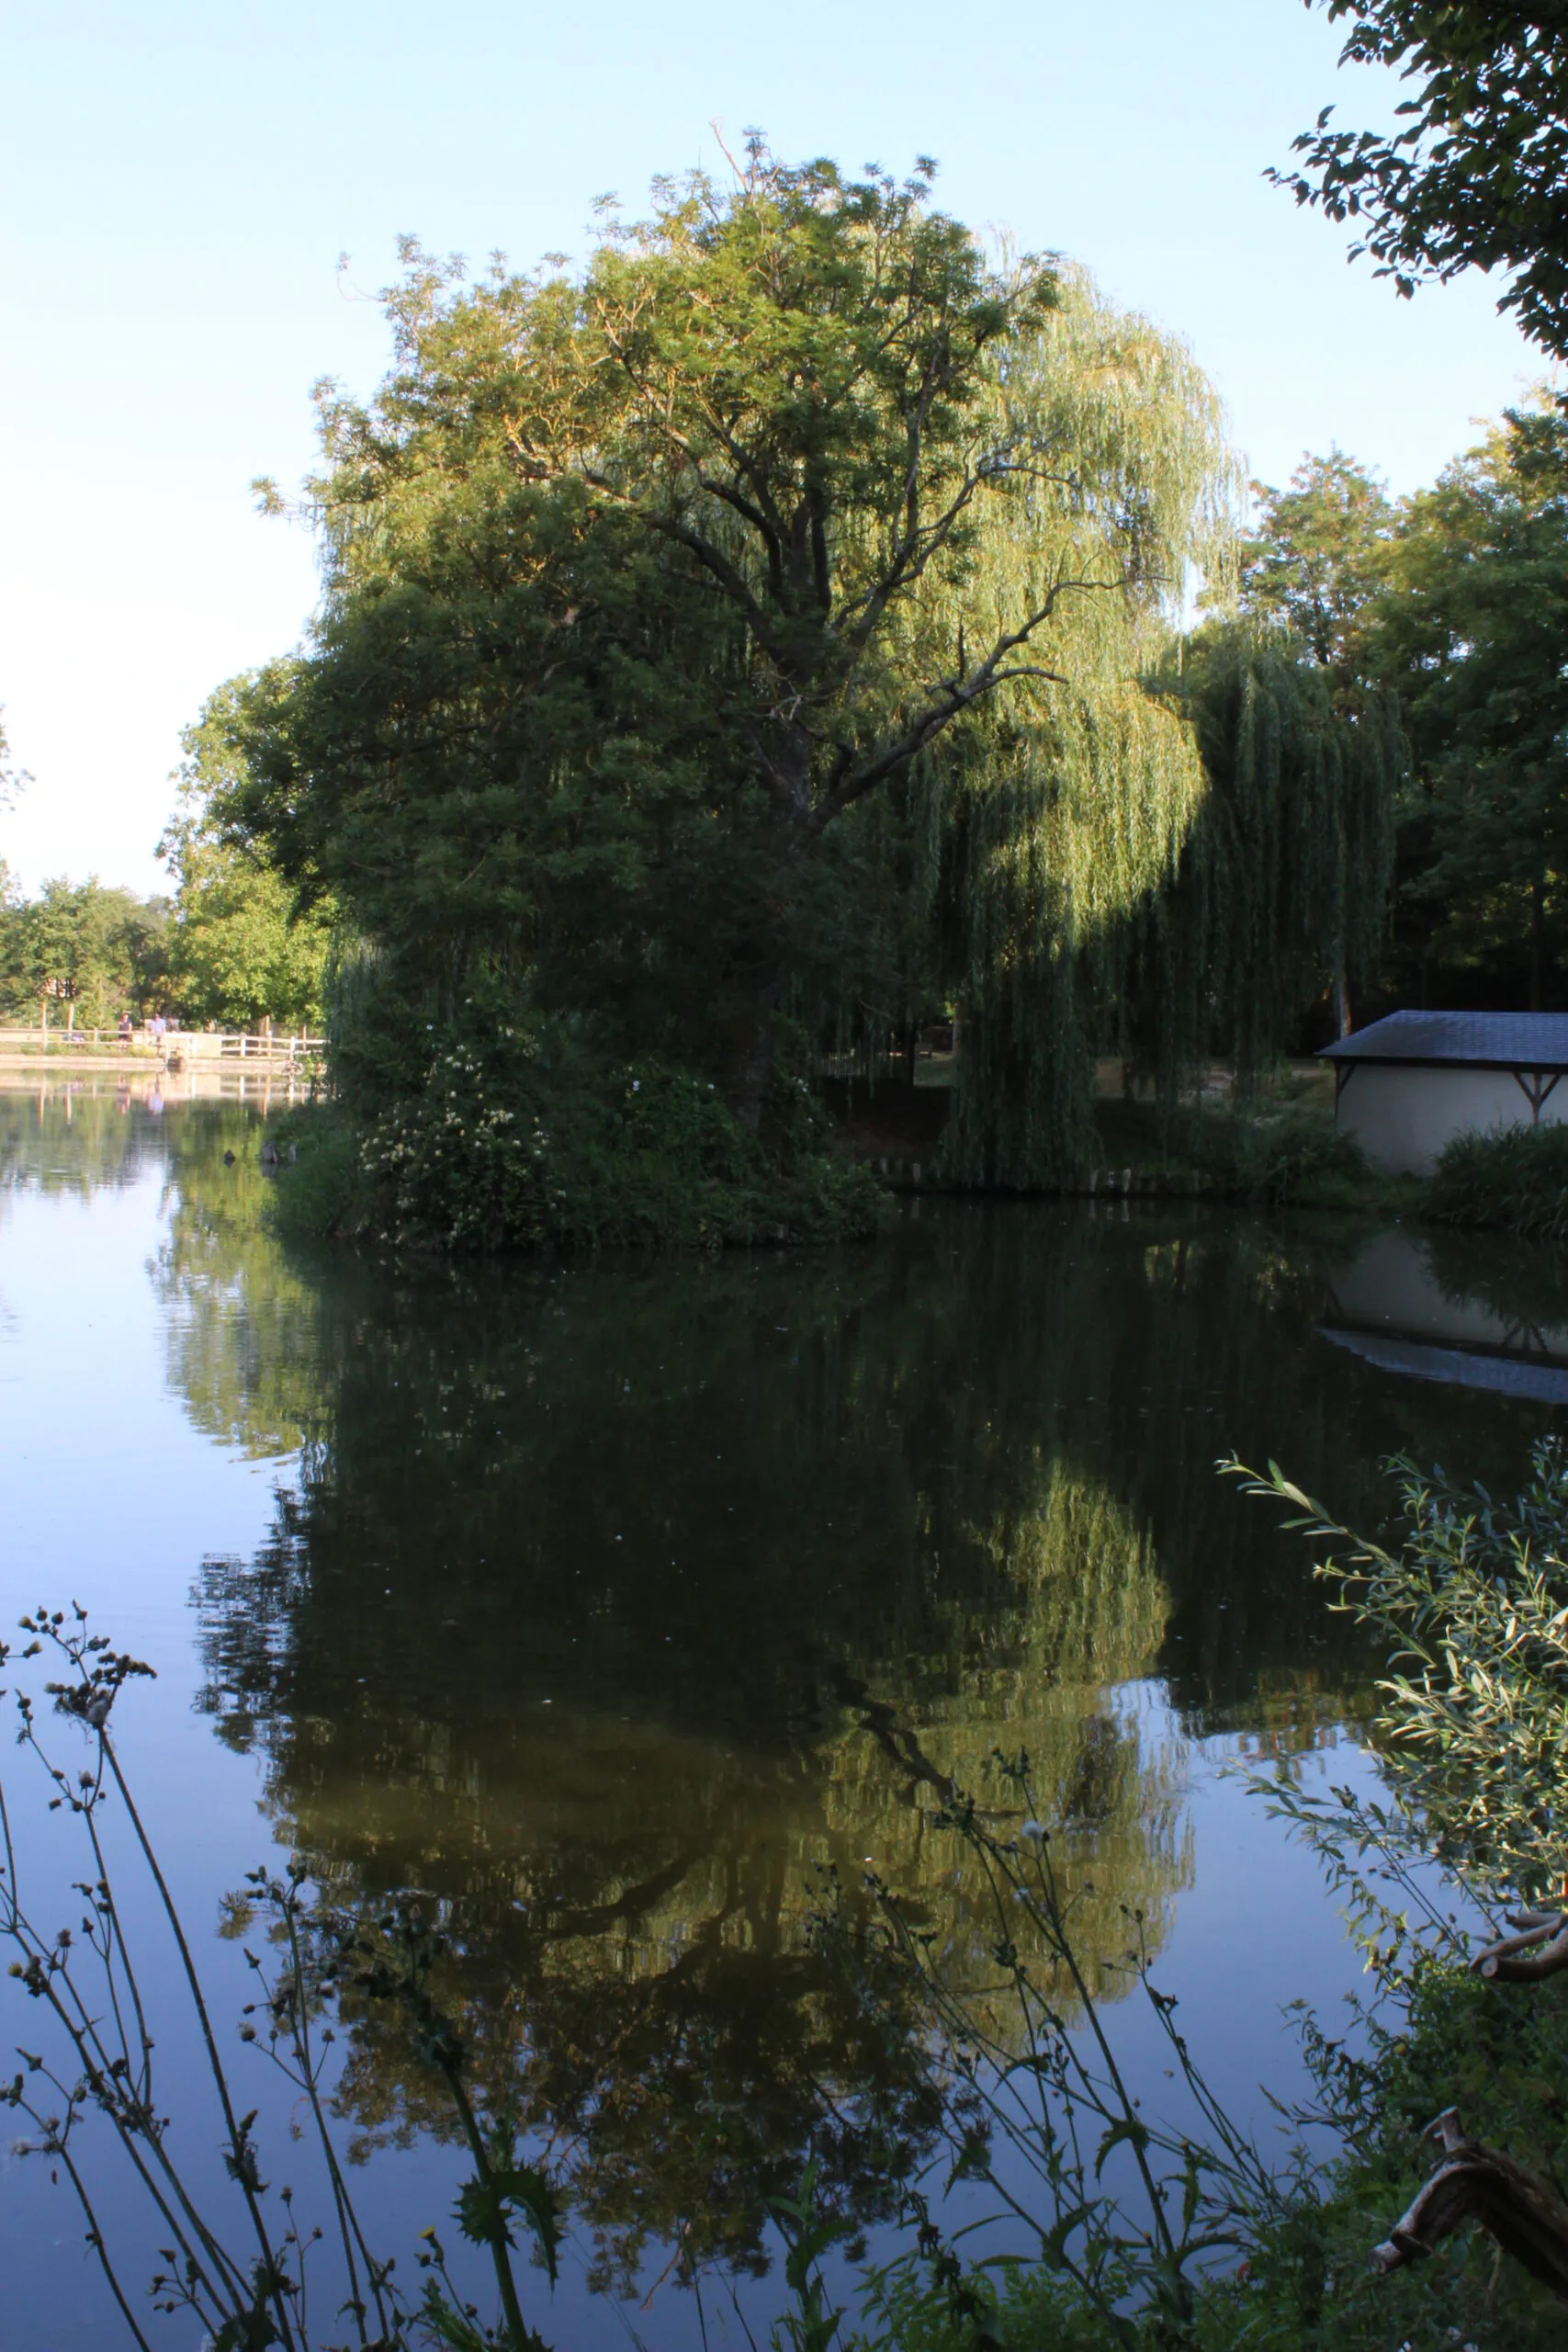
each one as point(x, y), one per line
point(1484, 1040)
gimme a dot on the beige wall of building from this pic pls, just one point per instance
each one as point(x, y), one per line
point(1403, 1114)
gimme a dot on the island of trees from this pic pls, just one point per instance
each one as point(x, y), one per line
point(803, 626)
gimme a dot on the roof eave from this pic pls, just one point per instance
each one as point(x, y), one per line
point(1345, 1052)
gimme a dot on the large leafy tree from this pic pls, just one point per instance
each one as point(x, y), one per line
point(1316, 558)
point(1303, 744)
point(1476, 176)
point(81, 953)
point(1474, 635)
point(238, 949)
point(640, 585)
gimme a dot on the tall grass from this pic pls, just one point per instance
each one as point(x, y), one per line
point(1513, 1180)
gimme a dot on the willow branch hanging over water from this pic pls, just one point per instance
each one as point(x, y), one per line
point(1163, 852)
point(1282, 890)
point(1066, 807)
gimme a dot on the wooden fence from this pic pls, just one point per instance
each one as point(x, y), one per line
point(272, 1049)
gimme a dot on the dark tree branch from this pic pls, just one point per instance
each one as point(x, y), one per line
point(951, 698)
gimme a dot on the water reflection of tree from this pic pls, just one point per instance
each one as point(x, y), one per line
point(596, 1586)
point(628, 1894)
point(243, 1327)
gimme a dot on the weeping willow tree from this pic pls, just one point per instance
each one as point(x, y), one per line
point(1163, 851)
point(1002, 870)
point(1009, 873)
point(1281, 889)
point(1068, 806)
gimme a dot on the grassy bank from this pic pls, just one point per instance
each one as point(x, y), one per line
point(649, 1155)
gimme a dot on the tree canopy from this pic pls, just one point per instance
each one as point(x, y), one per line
point(1454, 602)
point(759, 642)
point(1317, 559)
point(1474, 633)
point(81, 953)
point(238, 950)
point(1477, 176)
point(638, 587)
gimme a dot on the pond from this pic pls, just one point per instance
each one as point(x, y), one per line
point(606, 1605)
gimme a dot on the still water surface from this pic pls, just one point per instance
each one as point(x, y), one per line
point(579, 1596)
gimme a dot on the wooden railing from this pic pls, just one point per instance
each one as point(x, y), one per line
point(198, 1048)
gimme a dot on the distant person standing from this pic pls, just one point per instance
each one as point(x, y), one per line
point(155, 1029)
point(125, 1029)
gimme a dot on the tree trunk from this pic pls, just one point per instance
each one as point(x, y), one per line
point(911, 1042)
point(1538, 940)
point(1342, 995)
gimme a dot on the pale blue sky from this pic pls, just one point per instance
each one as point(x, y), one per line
point(177, 180)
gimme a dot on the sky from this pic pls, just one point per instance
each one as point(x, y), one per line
point(179, 181)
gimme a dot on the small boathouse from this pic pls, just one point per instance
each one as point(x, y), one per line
point(1409, 1084)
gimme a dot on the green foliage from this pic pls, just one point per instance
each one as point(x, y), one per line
point(755, 626)
point(1058, 813)
point(629, 591)
point(1513, 1180)
point(1472, 178)
point(485, 1132)
point(1470, 635)
point(82, 954)
point(1282, 892)
point(1470, 1734)
point(1315, 560)
point(240, 948)
point(321, 1192)
point(1275, 1156)
point(1454, 605)
point(1475, 1606)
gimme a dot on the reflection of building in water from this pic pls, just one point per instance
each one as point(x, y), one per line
point(1392, 1306)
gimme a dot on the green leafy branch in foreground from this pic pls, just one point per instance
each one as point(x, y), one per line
point(1473, 1732)
point(1474, 1738)
point(86, 1982)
